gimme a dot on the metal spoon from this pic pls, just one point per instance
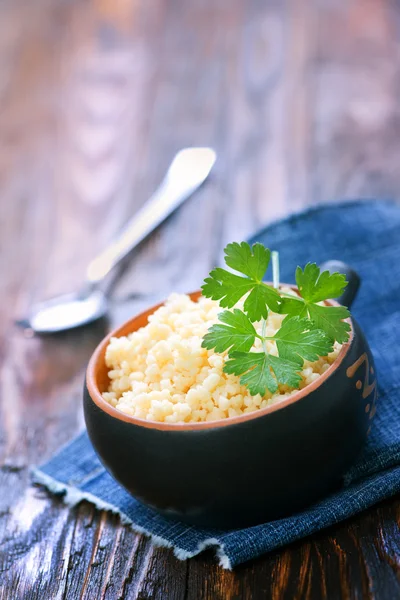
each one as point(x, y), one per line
point(188, 170)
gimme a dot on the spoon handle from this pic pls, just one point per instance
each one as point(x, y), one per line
point(176, 187)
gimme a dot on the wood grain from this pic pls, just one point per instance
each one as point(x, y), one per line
point(300, 99)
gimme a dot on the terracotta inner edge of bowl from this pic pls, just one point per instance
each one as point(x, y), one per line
point(97, 379)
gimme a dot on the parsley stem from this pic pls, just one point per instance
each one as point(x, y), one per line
point(292, 296)
point(275, 269)
point(263, 338)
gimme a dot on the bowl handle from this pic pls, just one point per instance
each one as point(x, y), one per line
point(350, 293)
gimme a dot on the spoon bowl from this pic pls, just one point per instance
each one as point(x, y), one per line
point(67, 312)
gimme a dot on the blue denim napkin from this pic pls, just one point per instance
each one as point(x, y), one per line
point(367, 236)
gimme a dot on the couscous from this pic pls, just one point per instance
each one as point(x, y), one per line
point(161, 372)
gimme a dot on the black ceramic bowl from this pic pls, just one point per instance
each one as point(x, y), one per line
point(241, 470)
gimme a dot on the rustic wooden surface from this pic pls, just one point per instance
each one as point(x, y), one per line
point(300, 99)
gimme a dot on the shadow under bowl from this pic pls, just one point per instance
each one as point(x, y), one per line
point(242, 470)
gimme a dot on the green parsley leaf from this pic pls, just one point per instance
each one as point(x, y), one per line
point(229, 288)
point(286, 371)
point(238, 333)
point(294, 307)
point(260, 371)
point(296, 340)
point(315, 287)
point(257, 301)
point(330, 320)
point(252, 262)
point(225, 287)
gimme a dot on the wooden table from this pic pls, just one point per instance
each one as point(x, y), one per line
point(301, 101)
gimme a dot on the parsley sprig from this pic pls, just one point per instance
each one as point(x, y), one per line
point(314, 287)
point(308, 331)
point(229, 288)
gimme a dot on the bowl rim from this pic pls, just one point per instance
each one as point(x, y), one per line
point(128, 327)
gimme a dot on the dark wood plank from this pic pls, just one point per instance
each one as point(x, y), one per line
point(300, 101)
point(356, 559)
